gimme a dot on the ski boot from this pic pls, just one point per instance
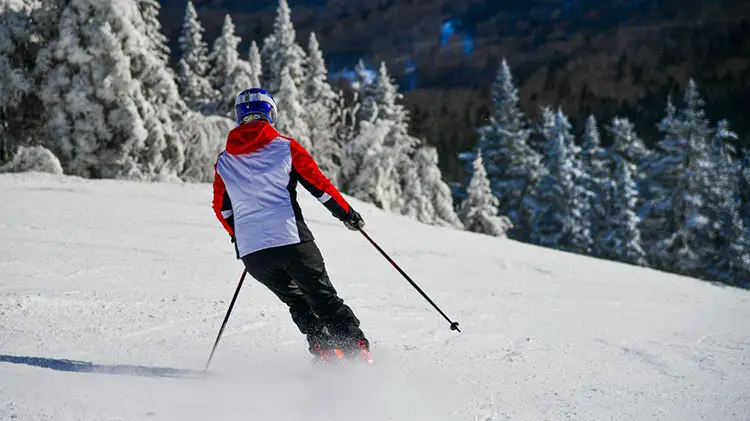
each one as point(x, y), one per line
point(353, 349)
point(319, 345)
point(361, 352)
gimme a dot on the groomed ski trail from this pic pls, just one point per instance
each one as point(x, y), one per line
point(112, 292)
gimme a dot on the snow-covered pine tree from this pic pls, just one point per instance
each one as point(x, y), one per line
point(239, 80)
point(437, 192)
point(16, 74)
point(378, 162)
point(26, 26)
point(553, 192)
point(165, 151)
point(725, 235)
point(513, 167)
point(229, 74)
point(745, 191)
point(150, 10)
point(223, 60)
point(744, 207)
point(732, 265)
point(467, 163)
point(556, 123)
point(204, 137)
point(622, 239)
point(192, 68)
point(97, 109)
point(600, 183)
point(544, 123)
point(664, 171)
point(347, 125)
point(365, 91)
point(399, 144)
point(373, 167)
point(388, 126)
point(627, 149)
point(562, 203)
point(280, 50)
point(693, 244)
point(351, 145)
point(626, 142)
point(267, 49)
point(593, 153)
point(256, 67)
point(291, 120)
point(628, 145)
point(417, 204)
point(322, 116)
point(387, 99)
point(582, 239)
point(745, 201)
point(478, 211)
point(363, 77)
point(543, 131)
point(683, 172)
point(349, 129)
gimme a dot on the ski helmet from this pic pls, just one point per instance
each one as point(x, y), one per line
point(255, 103)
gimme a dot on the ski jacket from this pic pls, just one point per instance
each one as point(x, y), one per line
point(255, 181)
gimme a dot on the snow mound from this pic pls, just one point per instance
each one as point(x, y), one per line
point(204, 137)
point(33, 158)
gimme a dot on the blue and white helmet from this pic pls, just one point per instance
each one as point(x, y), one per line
point(254, 104)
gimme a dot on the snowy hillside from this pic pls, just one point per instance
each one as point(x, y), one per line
point(111, 294)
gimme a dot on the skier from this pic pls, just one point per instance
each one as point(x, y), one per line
point(255, 199)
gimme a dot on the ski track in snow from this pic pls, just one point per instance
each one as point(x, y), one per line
point(111, 294)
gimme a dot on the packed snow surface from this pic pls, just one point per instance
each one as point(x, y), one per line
point(111, 294)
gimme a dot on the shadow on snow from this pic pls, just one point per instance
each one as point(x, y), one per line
point(88, 367)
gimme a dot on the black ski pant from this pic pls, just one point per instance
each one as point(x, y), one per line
point(297, 275)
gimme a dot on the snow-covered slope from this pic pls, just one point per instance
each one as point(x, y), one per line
point(111, 294)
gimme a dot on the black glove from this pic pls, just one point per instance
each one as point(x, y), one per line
point(354, 220)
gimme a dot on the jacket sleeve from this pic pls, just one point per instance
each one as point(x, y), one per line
point(222, 204)
point(309, 175)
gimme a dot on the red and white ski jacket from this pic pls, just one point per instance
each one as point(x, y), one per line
point(255, 182)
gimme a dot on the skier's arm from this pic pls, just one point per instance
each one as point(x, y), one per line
point(222, 205)
point(310, 176)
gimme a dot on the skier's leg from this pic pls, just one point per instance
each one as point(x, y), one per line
point(266, 267)
point(307, 268)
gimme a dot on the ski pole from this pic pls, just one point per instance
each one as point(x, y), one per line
point(226, 318)
point(454, 325)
